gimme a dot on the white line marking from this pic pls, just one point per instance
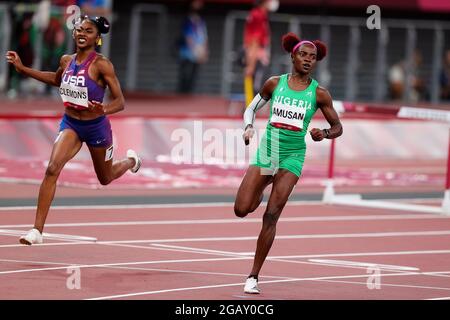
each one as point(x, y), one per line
point(364, 264)
point(237, 220)
point(240, 284)
point(388, 253)
point(437, 274)
point(278, 237)
point(200, 250)
point(389, 285)
point(50, 244)
point(251, 254)
point(242, 275)
point(387, 205)
point(123, 264)
point(145, 269)
point(283, 237)
point(316, 236)
point(162, 249)
point(303, 236)
point(34, 262)
point(51, 236)
point(368, 254)
point(152, 206)
point(232, 254)
point(339, 201)
point(331, 263)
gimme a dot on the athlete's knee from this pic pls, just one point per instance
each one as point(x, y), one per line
point(241, 211)
point(104, 180)
point(270, 218)
point(53, 169)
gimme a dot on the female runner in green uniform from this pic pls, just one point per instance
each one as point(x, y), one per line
point(294, 97)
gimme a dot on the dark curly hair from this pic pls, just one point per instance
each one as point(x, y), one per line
point(290, 40)
point(101, 23)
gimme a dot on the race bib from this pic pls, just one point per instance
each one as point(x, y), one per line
point(287, 116)
point(74, 96)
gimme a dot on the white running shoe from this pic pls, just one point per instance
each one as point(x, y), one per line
point(32, 237)
point(133, 155)
point(251, 286)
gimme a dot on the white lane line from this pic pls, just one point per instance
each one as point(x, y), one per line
point(235, 254)
point(50, 244)
point(320, 262)
point(123, 264)
point(240, 284)
point(201, 250)
point(374, 218)
point(282, 237)
point(152, 206)
point(242, 275)
point(166, 248)
point(308, 236)
point(276, 258)
point(437, 274)
point(34, 262)
point(389, 285)
point(389, 204)
point(51, 236)
point(364, 264)
point(336, 264)
point(368, 254)
point(147, 269)
point(378, 204)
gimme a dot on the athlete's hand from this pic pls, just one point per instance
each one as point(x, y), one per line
point(317, 134)
point(96, 107)
point(13, 58)
point(248, 134)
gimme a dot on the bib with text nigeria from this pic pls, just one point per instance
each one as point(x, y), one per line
point(289, 113)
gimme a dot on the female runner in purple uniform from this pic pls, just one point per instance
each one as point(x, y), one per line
point(82, 79)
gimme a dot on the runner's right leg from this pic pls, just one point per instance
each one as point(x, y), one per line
point(250, 193)
point(65, 148)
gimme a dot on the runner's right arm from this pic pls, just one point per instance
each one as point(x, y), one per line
point(259, 101)
point(48, 77)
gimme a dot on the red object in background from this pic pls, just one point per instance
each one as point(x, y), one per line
point(257, 28)
point(434, 5)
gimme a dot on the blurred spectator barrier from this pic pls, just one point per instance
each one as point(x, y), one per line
point(359, 58)
point(5, 32)
point(135, 44)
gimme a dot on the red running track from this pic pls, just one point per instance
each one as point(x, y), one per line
point(204, 252)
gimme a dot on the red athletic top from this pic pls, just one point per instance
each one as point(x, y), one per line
point(257, 27)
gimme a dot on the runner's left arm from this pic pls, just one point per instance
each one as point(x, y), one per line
point(325, 103)
point(117, 103)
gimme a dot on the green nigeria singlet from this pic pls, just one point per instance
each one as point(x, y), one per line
point(283, 143)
